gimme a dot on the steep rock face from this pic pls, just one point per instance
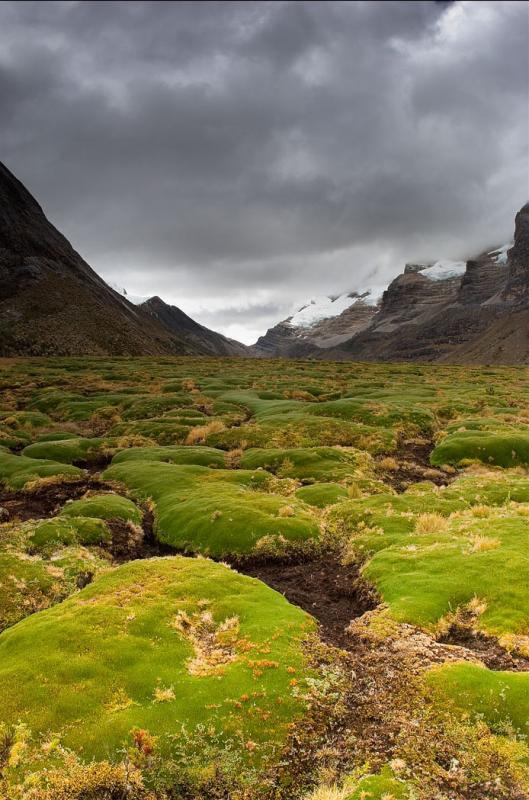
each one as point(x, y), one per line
point(484, 277)
point(206, 341)
point(412, 294)
point(53, 303)
point(517, 288)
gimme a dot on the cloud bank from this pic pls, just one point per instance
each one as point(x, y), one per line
point(236, 158)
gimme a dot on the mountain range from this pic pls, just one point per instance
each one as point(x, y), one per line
point(448, 311)
point(53, 303)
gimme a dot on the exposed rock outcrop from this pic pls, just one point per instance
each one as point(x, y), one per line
point(517, 287)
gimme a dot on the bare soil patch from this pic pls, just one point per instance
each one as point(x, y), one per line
point(131, 542)
point(486, 648)
point(46, 501)
point(413, 461)
point(332, 592)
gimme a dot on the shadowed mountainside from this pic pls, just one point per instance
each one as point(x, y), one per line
point(53, 303)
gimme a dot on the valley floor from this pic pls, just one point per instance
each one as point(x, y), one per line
point(263, 580)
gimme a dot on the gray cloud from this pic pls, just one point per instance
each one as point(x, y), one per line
point(237, 157)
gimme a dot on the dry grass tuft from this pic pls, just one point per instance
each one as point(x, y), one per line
point(199, 434)
point(286, 511)
point(389, 464)
point(481, 511)
point(354, 491)
point(164, 695)
point(214, 644)
point(233, 457)
point(329, 792)
point(483, 543)
point(431, 523)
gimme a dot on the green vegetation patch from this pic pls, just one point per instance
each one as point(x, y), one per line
point(322, 494)
point(434, 551)
point(104, 506)
point(381, 787)
point(17, 471)
point(501, 699)
point(66, 451)
point(202, 456)
point(52, 533)
point(164, 431)
point(498, 449)
point(165, 645)
point(309, 464)
point(213, 511)
point(41, 563)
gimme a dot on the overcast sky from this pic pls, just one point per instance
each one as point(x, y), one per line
point(238, 157)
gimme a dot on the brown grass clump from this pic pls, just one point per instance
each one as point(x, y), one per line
point(431, 523)
point(214, 644)
point(286, 511)
point(483, 543)
point(233, 457)
point(98, 780)
point(199, 434)
point(388, 463)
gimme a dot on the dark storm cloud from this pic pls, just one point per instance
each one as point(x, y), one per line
point(238, 157)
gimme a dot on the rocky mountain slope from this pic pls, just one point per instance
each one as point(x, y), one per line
point(53, 303)
point(455, 312)
point(322, 323)
point(206, 341)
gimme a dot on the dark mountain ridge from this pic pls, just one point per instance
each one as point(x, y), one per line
point(53, 303)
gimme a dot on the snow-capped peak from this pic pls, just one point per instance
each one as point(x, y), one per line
point(444, 270)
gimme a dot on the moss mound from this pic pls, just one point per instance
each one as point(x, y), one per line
point(322, 495)
point(501, 699)
point(434, 551)
point(169, 646)
point(202, 456)
point(497, 449)
point(381, 787)
point(308, 464)
point(214, 512)
point(104, 506)
point(66, 451)
point(17, 471)
point(52, 533)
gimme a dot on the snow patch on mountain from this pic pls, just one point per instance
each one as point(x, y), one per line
point(135, 299)
point(371, 295)
point(323, 307)
point(500, 255)
point(444, 270)
point(320, 308)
